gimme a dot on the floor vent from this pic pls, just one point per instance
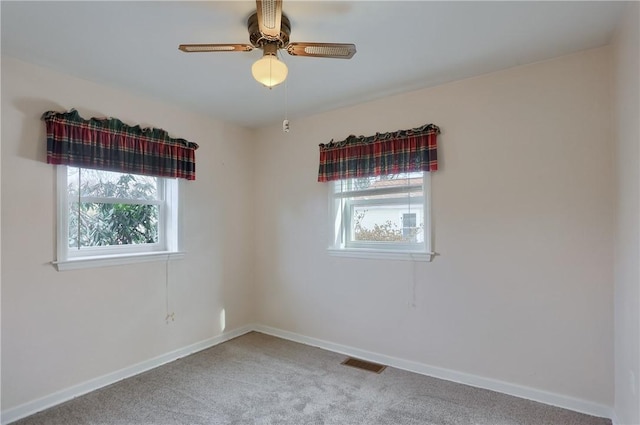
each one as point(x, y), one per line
point(364, 365)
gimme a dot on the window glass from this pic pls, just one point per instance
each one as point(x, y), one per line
point(112, 208)
point(383, 212)
point(99, 183)
point(104, 214)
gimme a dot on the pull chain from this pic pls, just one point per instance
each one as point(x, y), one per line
point(171, 315)
point(79, 216)
point(285, 124)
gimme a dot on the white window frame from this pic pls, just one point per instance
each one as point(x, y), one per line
point(166, 248)
point(340, 225)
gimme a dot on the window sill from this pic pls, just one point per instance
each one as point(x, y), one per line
point(116, 260)
point(374, 254)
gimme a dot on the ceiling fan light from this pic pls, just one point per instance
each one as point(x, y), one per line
point(269, 71)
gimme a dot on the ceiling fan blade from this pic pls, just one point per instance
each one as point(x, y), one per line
point(195, 48)
point(323, 50)
point(269, 18)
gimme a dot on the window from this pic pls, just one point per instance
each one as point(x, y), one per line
point(380, 196)
point(108, 217)
point(383, 216)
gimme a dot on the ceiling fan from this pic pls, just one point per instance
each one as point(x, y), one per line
point(269, 30)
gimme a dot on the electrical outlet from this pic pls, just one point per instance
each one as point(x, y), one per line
point(632, 382)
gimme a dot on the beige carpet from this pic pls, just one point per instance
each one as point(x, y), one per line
point(259, 379)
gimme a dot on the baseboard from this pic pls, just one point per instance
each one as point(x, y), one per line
point(29, 408)
point(559, 400)
point(614, 419)
point(565, 402)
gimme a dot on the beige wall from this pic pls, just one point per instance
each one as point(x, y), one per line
point(60, 329)
point(523, 210)
point(627, 231)
point(521, 291)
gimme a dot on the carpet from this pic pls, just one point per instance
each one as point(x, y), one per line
point(259, 379)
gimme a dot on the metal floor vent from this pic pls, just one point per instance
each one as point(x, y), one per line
point(364, 365)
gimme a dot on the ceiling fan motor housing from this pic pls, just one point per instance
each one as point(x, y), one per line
point(258, 40)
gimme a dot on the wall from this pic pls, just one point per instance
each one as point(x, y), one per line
point(521, 291)
point(627, 230)
point(60, 329)
point(523, 212)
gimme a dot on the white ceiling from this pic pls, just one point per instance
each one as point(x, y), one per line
point(401, 46)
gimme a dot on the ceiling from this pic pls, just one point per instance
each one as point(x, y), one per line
point(401, 46)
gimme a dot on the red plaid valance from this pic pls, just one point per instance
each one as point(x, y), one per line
point(402, 151)
point(110, 144)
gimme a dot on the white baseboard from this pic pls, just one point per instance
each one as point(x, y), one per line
point(570, 403)
point(565, 402)
point(614, 419)
point(31, 407)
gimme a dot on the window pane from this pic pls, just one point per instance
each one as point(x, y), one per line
point(402, 223)
point(108, 184)
point(381, 213)
point(106, 224)
point(385, 209)
point(408, 181)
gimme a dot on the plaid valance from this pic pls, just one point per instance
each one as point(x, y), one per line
point(110, 144)
point(402, 151)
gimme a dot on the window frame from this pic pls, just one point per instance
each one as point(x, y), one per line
point(169, 230)
point(340, 244)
